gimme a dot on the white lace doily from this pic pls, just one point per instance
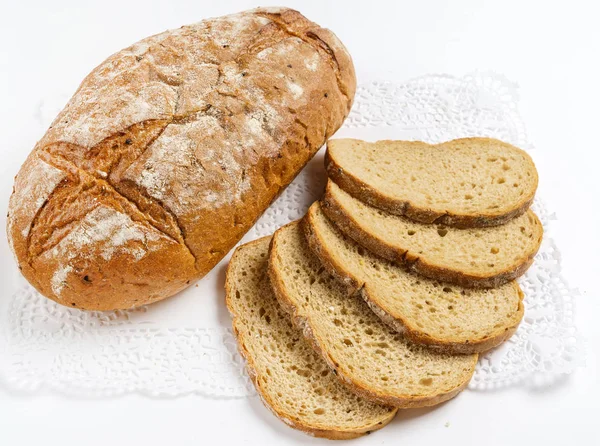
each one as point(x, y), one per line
point(185, 345)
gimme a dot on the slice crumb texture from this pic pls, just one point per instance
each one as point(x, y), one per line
point(485, 257)
point(470, 182)
point(367, 354)
point(292, 380)
point(441, 315)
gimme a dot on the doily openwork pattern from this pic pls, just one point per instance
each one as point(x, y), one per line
point(45, 345)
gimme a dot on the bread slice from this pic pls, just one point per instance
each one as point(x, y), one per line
point(469, 182)
point(374, 360)
point(476, 257)
point(446, 317)
point(292, 380)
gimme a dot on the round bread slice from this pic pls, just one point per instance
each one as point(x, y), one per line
point(293, 381)
point(475, 257)
point(371, 358)
point(445, 317)
point(468, 182)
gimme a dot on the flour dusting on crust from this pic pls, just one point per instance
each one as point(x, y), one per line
point(109, 105)
point(312, 63)
point(221, 118)
point(32, 188)
point(296, 89)
point(181, 158)
point(108, 231)
point(59, 279)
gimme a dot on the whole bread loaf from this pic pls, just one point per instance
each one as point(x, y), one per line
point(168, 153)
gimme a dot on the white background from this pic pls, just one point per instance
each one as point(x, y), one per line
point(551, 49)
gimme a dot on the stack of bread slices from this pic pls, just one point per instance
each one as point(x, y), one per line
point(384, 294)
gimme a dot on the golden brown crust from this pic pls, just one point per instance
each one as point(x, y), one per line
point(370, 195)
point(169, 152)
point(317, 431)
point(328, 41)
point(303, 323)
point(399, 322)
point(349, 226)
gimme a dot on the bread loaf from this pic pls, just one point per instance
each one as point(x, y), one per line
point(168, 153)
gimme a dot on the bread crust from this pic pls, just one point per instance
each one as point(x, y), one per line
point(303, 323)
point(317, 431)
point(183, 138)
point(352, 228)
point(370, 195)
point(398, 321)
